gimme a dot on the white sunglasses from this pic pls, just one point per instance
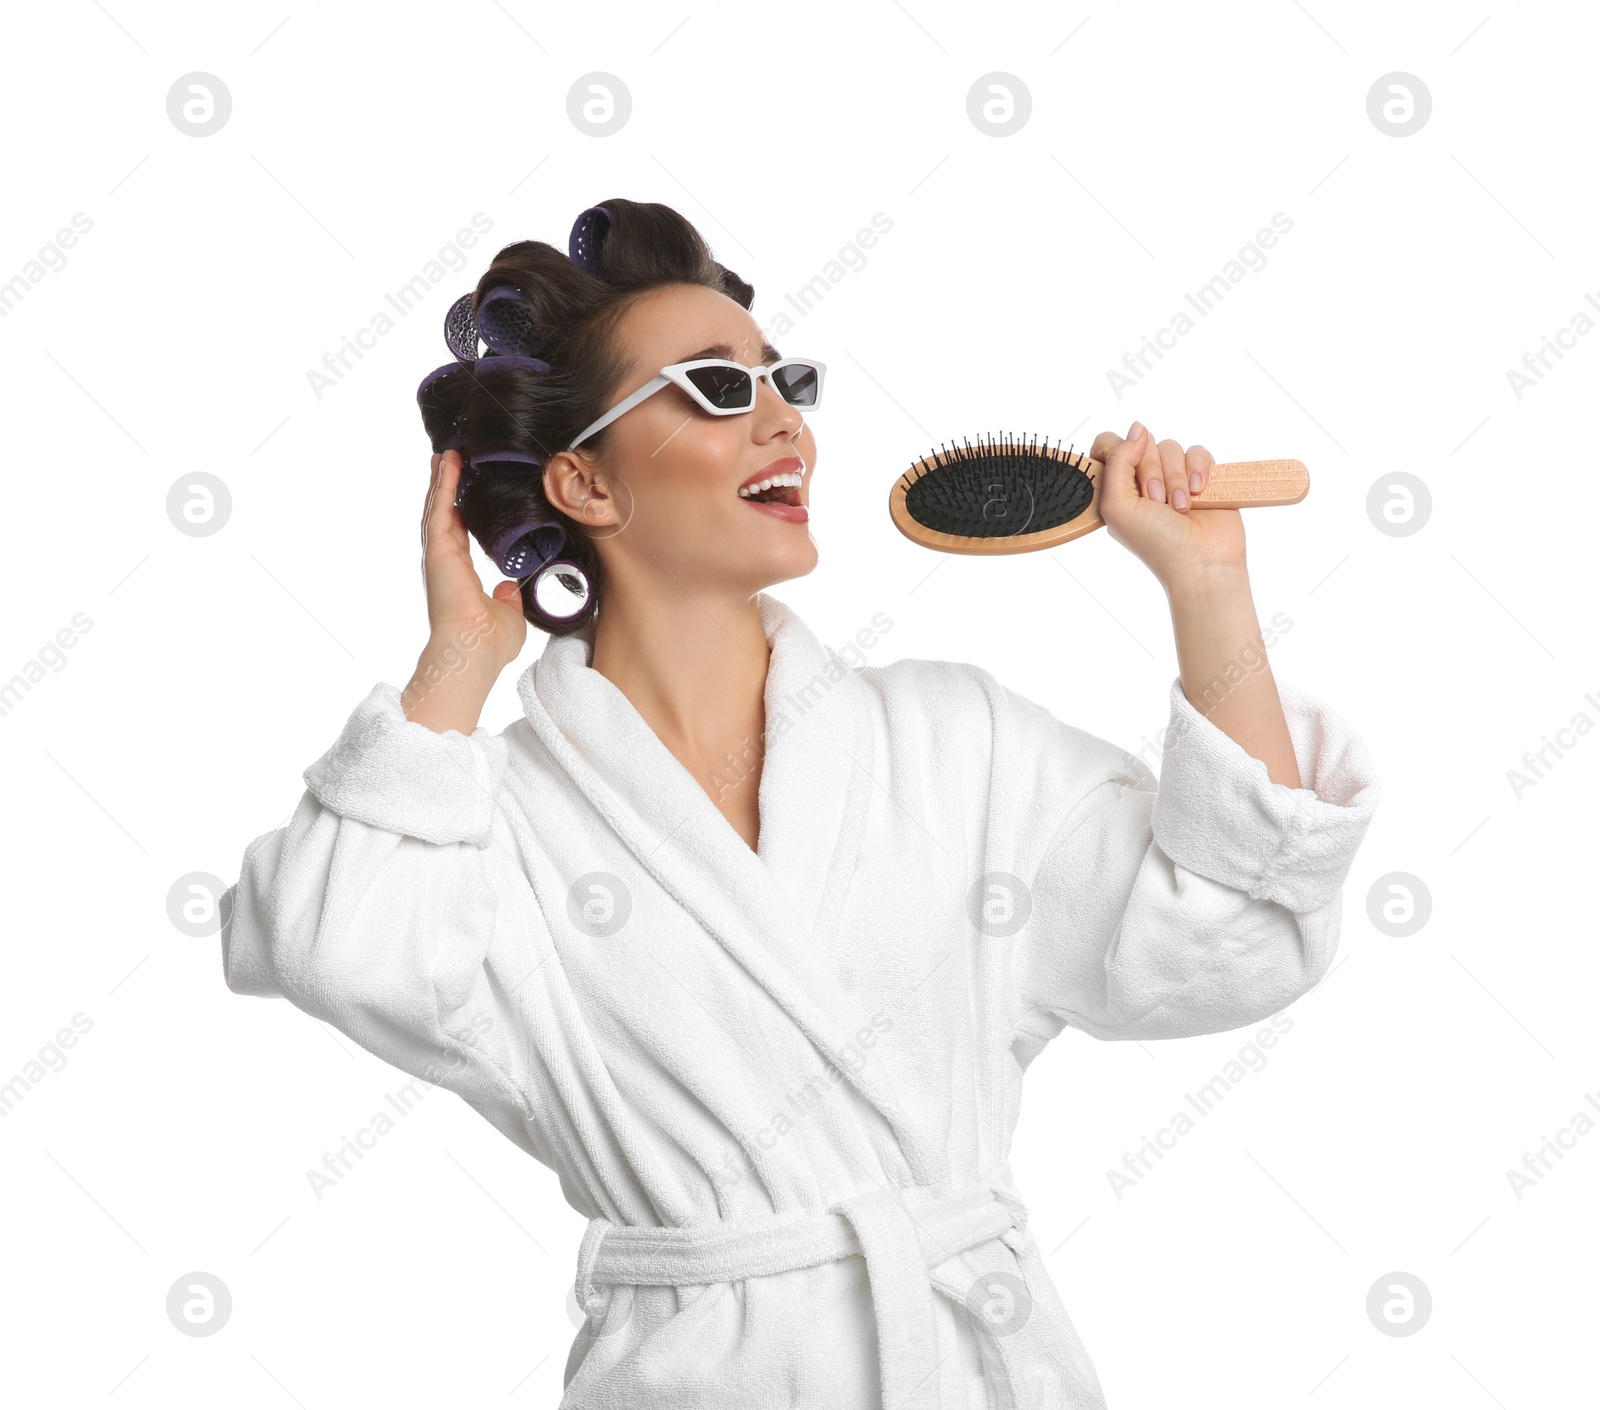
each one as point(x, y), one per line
point(724, 388)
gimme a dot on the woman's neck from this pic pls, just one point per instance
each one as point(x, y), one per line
point(695, 668)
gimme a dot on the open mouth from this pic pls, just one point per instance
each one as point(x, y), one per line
point(781, 489)
point(778, 494)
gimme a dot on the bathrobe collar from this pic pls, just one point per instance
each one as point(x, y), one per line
point(773, 910)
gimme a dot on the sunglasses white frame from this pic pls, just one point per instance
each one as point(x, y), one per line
point(676, 375)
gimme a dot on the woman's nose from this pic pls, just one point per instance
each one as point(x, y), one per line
point(769, 398)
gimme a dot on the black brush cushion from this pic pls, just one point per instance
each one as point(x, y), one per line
point(997, 491)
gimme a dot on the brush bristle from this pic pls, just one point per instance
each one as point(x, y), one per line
point(1002, 487)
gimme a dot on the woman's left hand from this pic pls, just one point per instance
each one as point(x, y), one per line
point(1146, 499)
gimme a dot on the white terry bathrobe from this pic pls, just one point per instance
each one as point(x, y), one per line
point(781, 1084)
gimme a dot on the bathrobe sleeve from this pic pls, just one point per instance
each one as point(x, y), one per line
point(375, 905)
point(1196, 903)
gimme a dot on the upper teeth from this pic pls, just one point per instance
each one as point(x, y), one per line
point(792, 478)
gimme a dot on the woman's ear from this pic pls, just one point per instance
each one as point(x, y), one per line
point(581, 492)
point(564, 486)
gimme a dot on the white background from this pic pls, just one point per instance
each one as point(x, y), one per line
point(177, 338)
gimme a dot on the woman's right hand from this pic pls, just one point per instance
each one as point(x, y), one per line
point(487, 629)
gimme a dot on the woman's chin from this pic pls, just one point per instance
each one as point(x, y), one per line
point(793, 563)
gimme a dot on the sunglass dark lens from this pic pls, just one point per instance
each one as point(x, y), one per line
point(722, 386)
point(797, 383)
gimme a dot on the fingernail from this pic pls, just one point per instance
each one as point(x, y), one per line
point(1180, 497)
point(1134, 431)
point(1194, 481)
point(1158, 491)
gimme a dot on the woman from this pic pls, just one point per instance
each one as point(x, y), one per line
point(748, 943)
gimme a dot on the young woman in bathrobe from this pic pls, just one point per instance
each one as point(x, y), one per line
point(752, 945)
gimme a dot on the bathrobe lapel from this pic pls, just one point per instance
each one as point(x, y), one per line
point(773, 910)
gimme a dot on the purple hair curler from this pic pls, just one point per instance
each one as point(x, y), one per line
point(567, 573)
point(507, 459)
point(588, 234)
point(506, 322)
point(529, 550)
point(522, 550)
point(461, 329)
point(437, 373)
point(499, 360)
point(515, 461)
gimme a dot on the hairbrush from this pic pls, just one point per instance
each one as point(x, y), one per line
point(1007, 494)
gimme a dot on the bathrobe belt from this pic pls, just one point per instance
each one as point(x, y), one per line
point(904, 1246)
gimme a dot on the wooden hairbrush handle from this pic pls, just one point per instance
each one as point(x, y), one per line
point(1238, 484)
point(1244, 484)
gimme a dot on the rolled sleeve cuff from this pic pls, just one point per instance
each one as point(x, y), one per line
point(398, 775)
point(1219, 814)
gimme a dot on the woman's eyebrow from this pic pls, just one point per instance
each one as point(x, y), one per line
point(768, 353)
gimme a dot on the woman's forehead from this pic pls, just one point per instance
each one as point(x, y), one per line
point(680, 324)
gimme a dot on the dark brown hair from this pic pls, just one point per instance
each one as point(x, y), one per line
point(576, 316)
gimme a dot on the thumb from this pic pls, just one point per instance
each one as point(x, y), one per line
point(1118, 484)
